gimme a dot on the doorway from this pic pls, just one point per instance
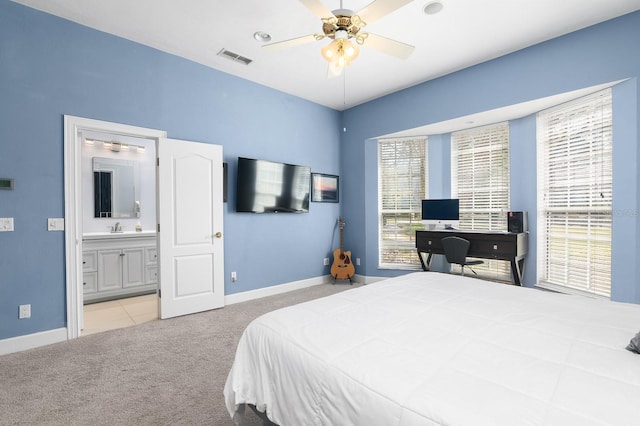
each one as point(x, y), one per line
point(118, 180)
point(189, 257)
point(77, 130)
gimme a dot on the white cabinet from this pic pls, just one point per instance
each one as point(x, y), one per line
point(118, 266)
point(109, 270)
point(133, 267)
point(151, 265)
point(90, 271)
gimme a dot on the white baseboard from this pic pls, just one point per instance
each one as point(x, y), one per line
point(295, 285)
point(275, 289)
point(30, 341)
point(363, 279)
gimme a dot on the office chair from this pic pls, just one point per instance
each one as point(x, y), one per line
point(456, 249)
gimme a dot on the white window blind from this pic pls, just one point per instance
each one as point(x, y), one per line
point(575, 194)
point(402, 184)
point(480, 180)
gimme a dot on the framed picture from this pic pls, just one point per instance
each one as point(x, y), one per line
point(324, 188)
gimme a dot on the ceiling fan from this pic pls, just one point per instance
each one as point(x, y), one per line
point(344, 26)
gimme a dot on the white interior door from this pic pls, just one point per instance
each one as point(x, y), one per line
point(190, 241)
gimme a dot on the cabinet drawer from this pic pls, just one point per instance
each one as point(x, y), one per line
point(150, 255)
point(89, 282)
point(89, 261)
point(151, 274)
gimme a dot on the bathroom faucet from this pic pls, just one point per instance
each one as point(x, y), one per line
point(117, 227)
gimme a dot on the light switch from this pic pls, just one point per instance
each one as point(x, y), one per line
point(55, 224)
point(6, 224)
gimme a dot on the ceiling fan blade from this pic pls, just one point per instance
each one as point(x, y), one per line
point(318, 8)
point(290, 43)
point(389, 46)
point(379, 8)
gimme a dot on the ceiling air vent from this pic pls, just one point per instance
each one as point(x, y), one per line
point(234, 56)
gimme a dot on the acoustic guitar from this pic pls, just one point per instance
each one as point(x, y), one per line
point(342, 268)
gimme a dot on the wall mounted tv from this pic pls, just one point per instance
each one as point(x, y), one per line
point(441, 213)
point(271, 187)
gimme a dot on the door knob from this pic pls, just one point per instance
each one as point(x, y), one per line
point(218, 234)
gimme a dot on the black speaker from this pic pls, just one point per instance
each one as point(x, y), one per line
point(517, 222)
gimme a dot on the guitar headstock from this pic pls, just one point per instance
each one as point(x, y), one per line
point(341, 223)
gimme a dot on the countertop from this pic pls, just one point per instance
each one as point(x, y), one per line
point(112, 235)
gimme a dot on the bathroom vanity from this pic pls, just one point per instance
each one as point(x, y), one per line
point(117, 265)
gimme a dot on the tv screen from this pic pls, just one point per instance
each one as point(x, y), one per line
point(441, 210)
point(270, 187)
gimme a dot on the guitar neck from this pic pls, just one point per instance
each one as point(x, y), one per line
point(341, 223)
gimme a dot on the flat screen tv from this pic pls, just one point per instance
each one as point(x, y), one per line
point(443, 213)
point(271, 187)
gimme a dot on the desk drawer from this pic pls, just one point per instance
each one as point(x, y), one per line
point(429, 243)
point(493, 249)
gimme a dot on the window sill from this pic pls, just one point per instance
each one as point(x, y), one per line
point(568, 290)
point(400, 267)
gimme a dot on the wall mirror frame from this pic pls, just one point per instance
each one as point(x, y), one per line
point(116, 186)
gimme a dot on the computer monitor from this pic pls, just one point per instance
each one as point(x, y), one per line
point(441, 214)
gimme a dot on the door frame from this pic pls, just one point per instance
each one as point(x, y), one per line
point(73, 204)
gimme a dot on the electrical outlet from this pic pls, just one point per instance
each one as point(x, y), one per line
point(325, 262)
point(234, 276)
point(357, 261)
point(25, 311)
point(6, 224)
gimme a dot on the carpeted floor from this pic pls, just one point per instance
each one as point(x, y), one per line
point(169, 372)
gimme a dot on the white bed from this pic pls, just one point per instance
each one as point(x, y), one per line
point(440, 349)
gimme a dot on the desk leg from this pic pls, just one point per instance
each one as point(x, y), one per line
point(517, 269)
point(425, 266)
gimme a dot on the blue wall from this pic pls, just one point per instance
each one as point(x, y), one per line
point(50, 67)
point(599, 54)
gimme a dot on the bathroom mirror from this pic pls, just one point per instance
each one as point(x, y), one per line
point(115, 187)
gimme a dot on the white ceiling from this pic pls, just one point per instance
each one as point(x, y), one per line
point(464, 33)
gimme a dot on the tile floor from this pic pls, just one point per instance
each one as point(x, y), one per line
point(119, 313)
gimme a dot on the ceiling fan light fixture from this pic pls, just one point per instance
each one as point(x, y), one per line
point(341, 50)
point(339, 53)
point(330, 51)
point(351, 51)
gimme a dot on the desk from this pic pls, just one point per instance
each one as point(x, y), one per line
point(484, 245)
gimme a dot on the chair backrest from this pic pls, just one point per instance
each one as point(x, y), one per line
point(455, 249)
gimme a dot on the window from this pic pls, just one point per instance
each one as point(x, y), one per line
point(574, 195)
point(480, 180)
point(402, 184)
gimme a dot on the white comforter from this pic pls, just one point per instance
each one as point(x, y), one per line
point(439, 349)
